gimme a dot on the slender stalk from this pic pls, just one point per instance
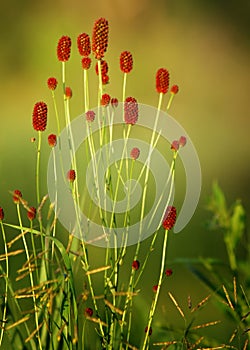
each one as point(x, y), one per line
point(154, 302)
point(4, 319)
point(30, 275)
point(38, 168)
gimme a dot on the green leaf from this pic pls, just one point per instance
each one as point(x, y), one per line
point(237, 224)
point(217, 204)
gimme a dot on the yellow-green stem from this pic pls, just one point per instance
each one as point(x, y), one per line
point(154, 302)
point(30, 275)
point(6, 284)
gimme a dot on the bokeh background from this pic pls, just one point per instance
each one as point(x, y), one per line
point(206, 47)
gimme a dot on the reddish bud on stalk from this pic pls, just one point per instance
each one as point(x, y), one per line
point(155, 288)
point(100, 38)
point(174, 89)
point(90, 116)
point(88, 312)
point(135, 265)
point(105, 100)
point(83, 44)
point(162, 80)
point(168, 272)
point(31, 213)
point(39, 116)
point(71, 175)
point(17, 195)
point(1, 214)
point(130, 110)
point(169, 218)
point(182, 141)
point(126, 61)
point(135, 152)
point(114, 102)
point(175, 145)
point(68, 93)
point(86, 62)
point(52, 140)
point(63, 48)
point(52, 83)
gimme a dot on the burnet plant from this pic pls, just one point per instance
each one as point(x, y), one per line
point(109, 188)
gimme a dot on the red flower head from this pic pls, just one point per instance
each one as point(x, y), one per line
point(168, 272)
point(52, 140)
point(154, 288)
point(90, 116)
point(83, 44)
point(175, 145)
point(1, 214)
point(130, 110)
point(182, 141)
point(126, 62)
point(100, 38)
point(114, 102)
point(63, 48)
point(71, 175)
point(105, 100)
point(17, 196)
point(104, 68)
point(135, 265)
point(88, 312)
point(135, 152)
point(86, 62)
point(162, 80)
point(31, 213)
point(169, 218)
point(68, 92)
point(52, 83)
point(105, 79)
point(39, 117)
point(174, 89)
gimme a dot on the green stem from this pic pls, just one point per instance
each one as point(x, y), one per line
point(6, 284)
point(30, 275)
point(38, 168)
point(154, 302)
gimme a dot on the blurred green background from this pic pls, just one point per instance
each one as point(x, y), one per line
point(205, 46)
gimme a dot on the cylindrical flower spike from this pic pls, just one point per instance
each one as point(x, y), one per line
point(130, 110)
point(17, 195)
point(126, 61)
point(64, 48)
point(86, 63)
point(1, 214)
point(162, 80)
point(169, 218)
point(100, 38)
point(83, 44)
point(39, 117)
point(104, 68)
point(31, 213)
point(52, 140)
point(52, 83)
point(71, 175)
